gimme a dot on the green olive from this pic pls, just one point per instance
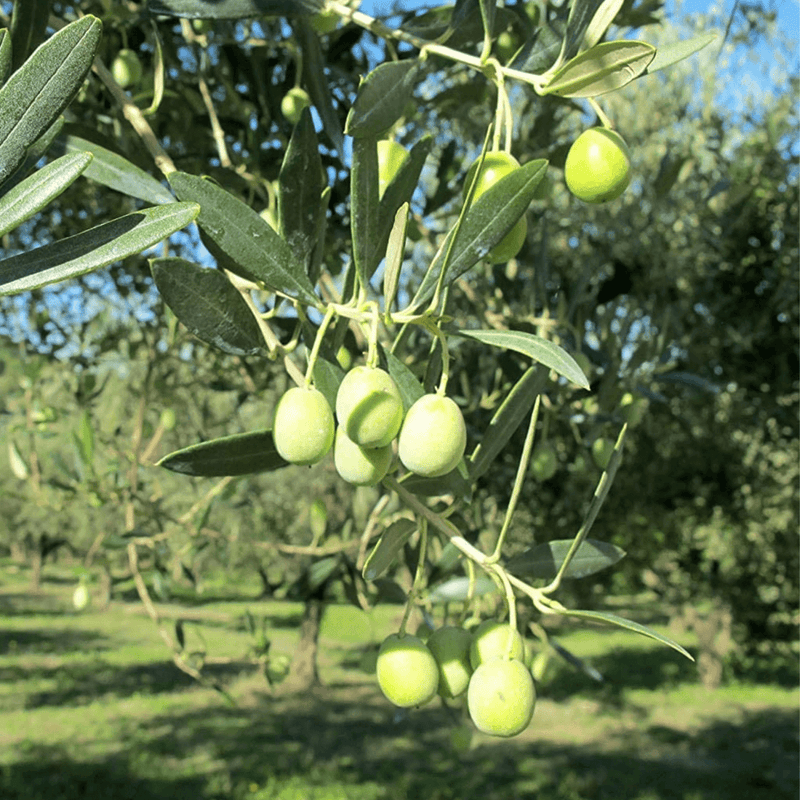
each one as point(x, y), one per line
point(450, 648)
point(598, 166)
point(602, 450)
point(369, 406)
point(544, 462)
point(433, 437)
point(360, 466)
point(501, 697)
point(407, 671)
point(126, 69)
point(303, 427)
point(491, 639)
point(292, 105)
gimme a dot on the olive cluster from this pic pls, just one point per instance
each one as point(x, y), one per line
point(488, 664)
point(370, 425)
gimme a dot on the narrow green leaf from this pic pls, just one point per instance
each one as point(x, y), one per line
point(581, 13)
point(382, 98)
point(457, 589)
point(670, 54)
point(601, 20)
point(488, 220)
point(244, 237)
point(507, 419)
point(35, 95)
point(541, 350)
point(603, 68)
point(301, 183)
point(115, 171)
point(388, 546)
point(394, 255)
point(364, 206)
point(95, 248)
point(84, 438)
point(33, 156)
point(613, 619)
point(5, 55)
point(233, 9)
point(28, 27)
point(544, 560)
point(410, 388)
point(327, 378)
point(317, 82)
point(35, 192)
point(206, 302)
point(488, 14)
point(240, 454)
point(452, 483)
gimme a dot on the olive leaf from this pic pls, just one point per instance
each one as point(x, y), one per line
point(603, 68)
point(114, 170)
point(507, 419)
point(544, 560)
point(36, 191)
point(364, 207)
point(240, 454)
point(382, 98)
point(670, 54)
point(542, 350)
point(389, 545)
point(487, 221)
point(36, 94)
point(208, 304)
point(247, 241)
point(232, 9)
point(95, 248)
point(613, 619)
point(301, 183)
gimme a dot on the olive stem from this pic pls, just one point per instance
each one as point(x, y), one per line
point(522, 468)
point(420, 571)
point(601, 115)
point(312, 359)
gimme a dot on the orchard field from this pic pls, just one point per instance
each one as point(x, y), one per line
point(399, 401)
point(92, 709)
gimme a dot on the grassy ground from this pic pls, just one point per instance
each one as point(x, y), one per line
point(91, 707)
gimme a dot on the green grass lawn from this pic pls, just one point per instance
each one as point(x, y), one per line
point(91, 706)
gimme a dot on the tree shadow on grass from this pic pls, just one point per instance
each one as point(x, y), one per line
point(360, 741)
point(80, 683)
point(46, 773)
point(21, 642)
point(622, 669)
point(353, 740)
point(24, 604)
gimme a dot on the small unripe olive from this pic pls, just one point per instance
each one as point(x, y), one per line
point(293, 103)
point(360, 466)
point(501, 697)
point(602, 449)
point(433, 437)
point(450, 648)
point(126, 68)
point(598, 166)
point(369, 406)
point(303, 428)
point(407, 672)
point(491, 640)
point(544, 462)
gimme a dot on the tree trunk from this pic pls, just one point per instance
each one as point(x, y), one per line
point(303, 670)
